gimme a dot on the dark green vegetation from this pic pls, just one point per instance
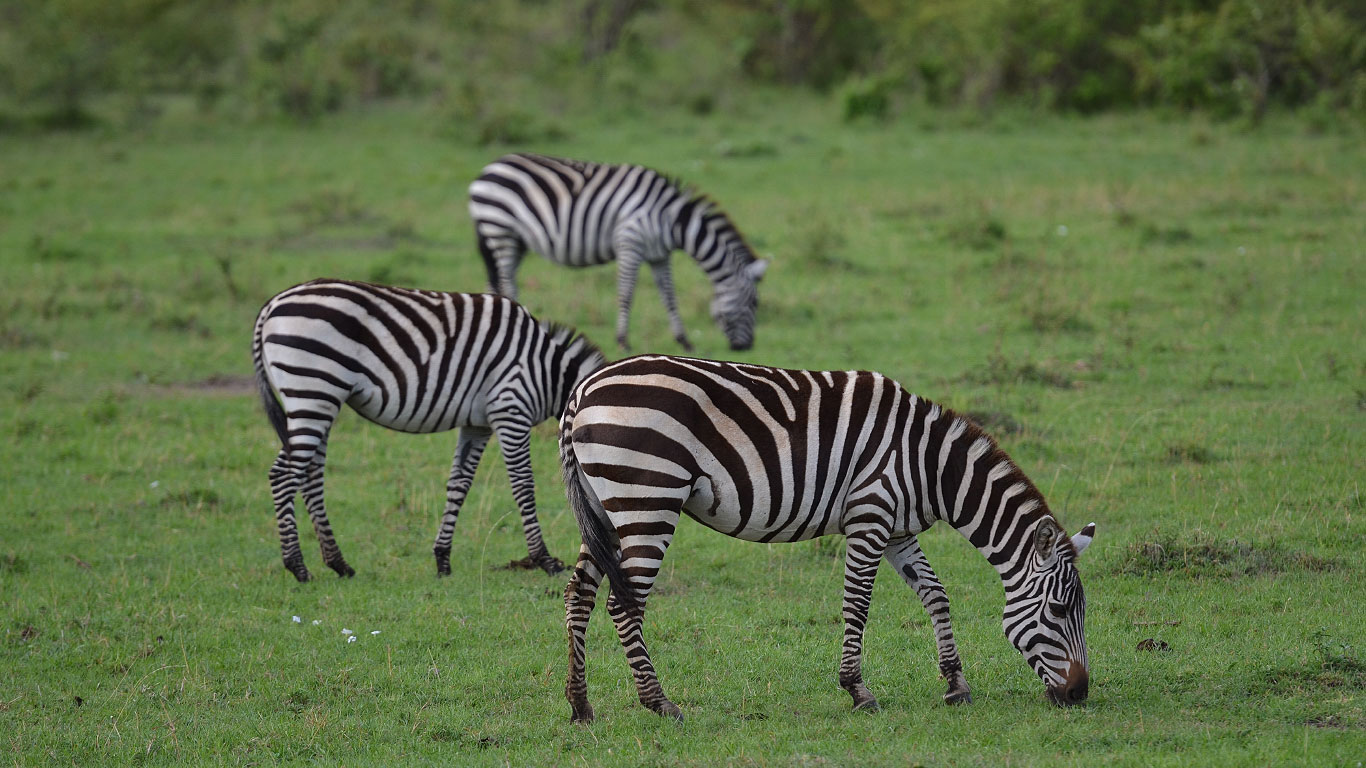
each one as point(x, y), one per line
point(1162, 321)
point(510, 70)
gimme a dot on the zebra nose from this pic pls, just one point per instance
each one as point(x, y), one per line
point(1074, 689)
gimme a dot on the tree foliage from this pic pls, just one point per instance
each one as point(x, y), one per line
point(497, 59)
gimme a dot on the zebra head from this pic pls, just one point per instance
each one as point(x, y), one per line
point(1045, 613)
point(736, 301)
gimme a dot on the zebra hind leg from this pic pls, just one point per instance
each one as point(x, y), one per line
point(909, 561)
point(317, 511)
point(284, 485)
point(863, 550)
point(629, 618)
point(629, 623)
point(579, 598)
point(468, 451)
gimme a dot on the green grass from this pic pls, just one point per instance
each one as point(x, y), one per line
point(1162, 321)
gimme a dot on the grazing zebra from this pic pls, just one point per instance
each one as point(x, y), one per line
point(766, 454)
point(581, 214)
point(415, 361)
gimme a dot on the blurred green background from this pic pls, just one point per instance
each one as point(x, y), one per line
point(508, 69)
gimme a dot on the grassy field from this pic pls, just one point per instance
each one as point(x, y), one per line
point(1163, 321)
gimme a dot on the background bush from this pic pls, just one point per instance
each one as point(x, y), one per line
point(492, 64)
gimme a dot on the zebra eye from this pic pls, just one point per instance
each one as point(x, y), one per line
point(1056, 609)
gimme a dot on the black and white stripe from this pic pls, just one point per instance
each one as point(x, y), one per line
point(581, 214)
point(415, 361)
point(766, 454)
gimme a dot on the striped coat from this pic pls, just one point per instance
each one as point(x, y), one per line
point(415, 361)
point(773, 455)
point(581, 214)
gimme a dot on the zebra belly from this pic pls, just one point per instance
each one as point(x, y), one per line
point(762, 523)
point(433, 413)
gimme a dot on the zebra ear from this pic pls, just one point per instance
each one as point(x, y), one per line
point(1044, 536)
point(755, 269)
point(1083, 538)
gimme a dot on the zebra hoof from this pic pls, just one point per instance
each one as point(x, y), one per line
point(551, 565)
point(343, 570)
point(582, 714)
point(867, 705)
point(684, 343)
point(958, 696)
point(668, 709)
point(443, 563)
point(296, 566)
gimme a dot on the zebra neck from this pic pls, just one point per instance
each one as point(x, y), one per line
point(986, 498)
point(705, 233)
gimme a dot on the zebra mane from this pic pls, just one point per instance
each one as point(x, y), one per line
point(697, 201)
point(1033, 499)
point(569, 337)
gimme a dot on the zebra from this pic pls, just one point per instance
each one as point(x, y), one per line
point(581, 214)
point(415, 361)
point(767, 454)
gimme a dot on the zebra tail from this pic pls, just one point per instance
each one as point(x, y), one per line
point(274, 412)
point(593, 525)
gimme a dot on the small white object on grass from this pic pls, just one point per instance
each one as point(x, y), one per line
point(346, 631)
point(374, 632)
point(298, 620)
point(316, 622)
point(351, 639)
point(154, 484)
point(1062, 230)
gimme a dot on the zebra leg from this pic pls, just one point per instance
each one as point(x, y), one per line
point(664, 280)
point(285, 479)
point(628, 268)
point(307, 436)
point(909, 561)
point(313, 499)
point(864, 547)
point(642, 555)
point(468, 451)
point(502, 251)
point(579, 598)
point(514, 436)
point(508, 260)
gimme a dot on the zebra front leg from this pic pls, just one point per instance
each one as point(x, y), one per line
point(579, 598)
point(317, 511)
point(863, 549)
point(628, 268)
point(909, 561)
point(664, 280)
point(468, 451)
point(642, 554)
point(284, 485)
point(514, 436)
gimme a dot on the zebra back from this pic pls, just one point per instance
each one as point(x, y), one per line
point(414, 360)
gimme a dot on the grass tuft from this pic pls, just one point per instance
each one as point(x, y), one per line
point(997, 423)
point(1000, 371)
point(1202, 555)
point(982, 232)
point(1154, 234)
point(1189, 453)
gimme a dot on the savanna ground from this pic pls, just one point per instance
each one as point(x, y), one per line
point(1162, 320)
